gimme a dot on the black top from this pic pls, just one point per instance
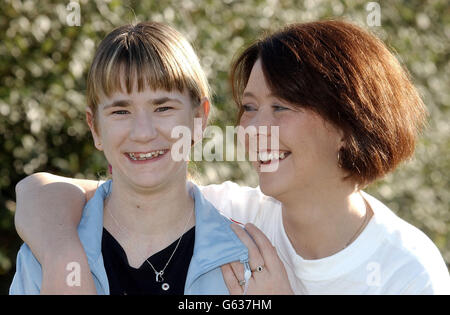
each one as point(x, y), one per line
point(126, 280)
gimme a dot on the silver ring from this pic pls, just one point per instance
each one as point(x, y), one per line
point(241, 282)
point(259, 269)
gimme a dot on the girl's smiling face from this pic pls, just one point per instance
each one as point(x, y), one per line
point(307, 142)
point(134, 131)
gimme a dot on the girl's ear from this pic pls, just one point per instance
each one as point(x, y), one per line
point(90, 118)
point(202, 111)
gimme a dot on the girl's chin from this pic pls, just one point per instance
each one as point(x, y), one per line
point(151, 178)
point(141, 180)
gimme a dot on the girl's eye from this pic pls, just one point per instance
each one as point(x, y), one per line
point(120, 112)
point(163, 109)
point(248, 108)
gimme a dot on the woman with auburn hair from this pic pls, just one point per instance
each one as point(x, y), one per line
point(347, 115)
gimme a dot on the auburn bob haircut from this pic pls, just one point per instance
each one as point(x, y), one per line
point(348, 77)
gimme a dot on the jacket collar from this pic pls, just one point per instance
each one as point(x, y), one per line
point(90, 229)
point(215, 242)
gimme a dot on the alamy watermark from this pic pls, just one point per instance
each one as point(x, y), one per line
point(374, 274)
point(374, 16)
point(73, 278)
point(258, 146)
point(73, 18)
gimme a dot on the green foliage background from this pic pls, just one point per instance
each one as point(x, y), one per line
point(44, 62)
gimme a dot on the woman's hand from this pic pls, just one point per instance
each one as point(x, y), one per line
point(268, 273)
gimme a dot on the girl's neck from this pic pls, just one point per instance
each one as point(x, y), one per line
point(150, 213)
point(322, 221)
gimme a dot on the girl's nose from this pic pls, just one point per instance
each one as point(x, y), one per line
point(144, 128)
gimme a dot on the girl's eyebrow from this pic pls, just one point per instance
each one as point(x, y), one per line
point(153, 101)
point(120, 103)
point(162, 100)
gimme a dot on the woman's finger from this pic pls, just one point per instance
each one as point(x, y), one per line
point(238, 270)
point(255, 257)
point(266, 250)
point(230, 279)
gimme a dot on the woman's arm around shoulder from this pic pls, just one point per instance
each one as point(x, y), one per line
point(48, 211)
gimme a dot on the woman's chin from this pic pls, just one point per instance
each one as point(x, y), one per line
point(271, 185)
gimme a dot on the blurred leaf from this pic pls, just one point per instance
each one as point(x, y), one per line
point(44, 64)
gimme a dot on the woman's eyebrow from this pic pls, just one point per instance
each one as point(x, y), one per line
point(248, 94)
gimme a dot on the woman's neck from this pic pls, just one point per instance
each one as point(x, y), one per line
point(322, 221)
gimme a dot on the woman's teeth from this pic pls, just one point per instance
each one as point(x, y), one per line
point(266, 157)
point(145, 156)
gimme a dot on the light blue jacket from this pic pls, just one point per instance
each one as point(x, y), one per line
point(215, 244)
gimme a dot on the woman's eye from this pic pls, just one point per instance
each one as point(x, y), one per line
point(248, 108)
point(279, 107)
point(163, 109)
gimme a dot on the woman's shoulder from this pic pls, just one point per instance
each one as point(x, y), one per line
point(238, 202)
point(407, 249)
point(229, 189)
point(397, 230)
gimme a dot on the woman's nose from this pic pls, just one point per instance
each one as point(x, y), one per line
point(263, 118)
point(264, 121)
point(266, 130)
point(143, 129)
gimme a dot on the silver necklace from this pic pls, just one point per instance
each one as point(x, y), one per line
point(158, 274)
point(366, 216)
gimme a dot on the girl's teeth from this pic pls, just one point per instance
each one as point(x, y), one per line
point(144, 156)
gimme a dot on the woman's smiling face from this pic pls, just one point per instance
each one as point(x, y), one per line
point(134, 131)
point(308, 143)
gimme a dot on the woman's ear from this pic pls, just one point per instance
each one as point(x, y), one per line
point(342, 137)
point(90, 118)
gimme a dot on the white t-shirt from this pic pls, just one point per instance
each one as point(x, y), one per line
point(390, 256)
